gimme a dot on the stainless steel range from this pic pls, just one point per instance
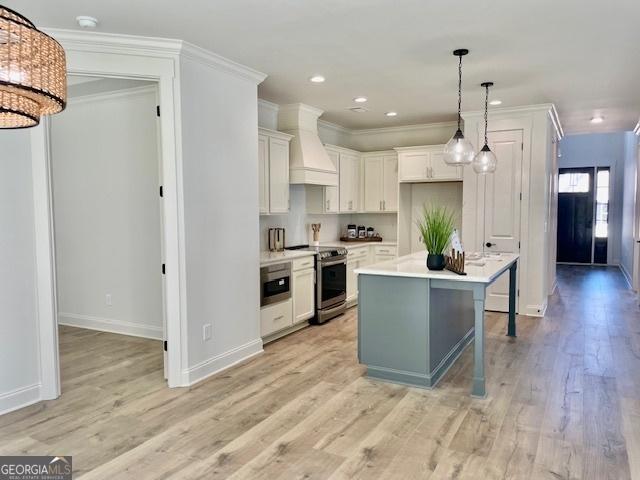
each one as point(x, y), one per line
point(331, 281)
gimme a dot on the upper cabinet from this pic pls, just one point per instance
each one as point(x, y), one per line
point(273, 171)
point(349, 182)
point(380, 182)
point(425, 164)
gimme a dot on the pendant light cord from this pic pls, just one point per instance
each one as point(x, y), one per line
point(486, 115)
point(459, 91)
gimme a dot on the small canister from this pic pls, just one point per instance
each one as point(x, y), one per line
point(352, 231)
point(370, 232)
point(362, 232)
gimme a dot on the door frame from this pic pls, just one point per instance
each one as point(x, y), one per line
point(117, 57)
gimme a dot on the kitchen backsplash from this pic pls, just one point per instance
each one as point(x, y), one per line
point(298, 223)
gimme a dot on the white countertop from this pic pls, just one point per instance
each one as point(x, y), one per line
point(415, 266)
point(267, 258)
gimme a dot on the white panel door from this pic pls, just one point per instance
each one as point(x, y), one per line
point(263, 172)
point(390, 184)
point(439, 170)
point(303, 290)
point(413, 166)
point(278, 175)
point(502, 191)
point(373, 184)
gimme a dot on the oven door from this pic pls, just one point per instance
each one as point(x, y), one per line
point(275, 287)
point(333, 283)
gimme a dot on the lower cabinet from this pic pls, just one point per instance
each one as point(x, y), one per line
point(303, 294)
point(383, 253)
point(275, 317)
point(352, 280)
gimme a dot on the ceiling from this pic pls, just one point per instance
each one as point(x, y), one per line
point(580, 55)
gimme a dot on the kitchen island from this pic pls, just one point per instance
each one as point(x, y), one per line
point(413, 323)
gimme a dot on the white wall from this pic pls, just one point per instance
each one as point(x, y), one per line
point(629, 209)
point(601, 150)
point(19, 367)
point(105, 169)
point(220, 177)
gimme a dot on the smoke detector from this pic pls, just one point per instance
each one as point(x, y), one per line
point(87, 22)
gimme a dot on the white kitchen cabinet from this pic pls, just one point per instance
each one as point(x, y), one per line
point(382, 253)
point(275, 317)
point(263, 172)
point(303, 293)
point(356, 257)
point(273, 171)
point(425, 164)
point(349, 173)
point(380, 182)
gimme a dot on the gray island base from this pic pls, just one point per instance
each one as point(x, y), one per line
point(414, 323)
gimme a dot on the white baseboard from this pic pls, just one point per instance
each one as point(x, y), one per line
point(110, 325)
point(19, 398)
point(222, 361)
point(535, 310)
point(626, 276)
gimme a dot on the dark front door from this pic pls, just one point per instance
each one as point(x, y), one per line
point(575, 215)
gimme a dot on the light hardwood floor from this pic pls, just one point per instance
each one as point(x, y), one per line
point(563, 403)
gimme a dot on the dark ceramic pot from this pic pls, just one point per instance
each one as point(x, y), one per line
point(435, 262)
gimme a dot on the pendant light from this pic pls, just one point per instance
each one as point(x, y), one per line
point(458, 150)
point(485, 161)
point(33, 76)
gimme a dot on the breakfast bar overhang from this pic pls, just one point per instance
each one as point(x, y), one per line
point(413, 323)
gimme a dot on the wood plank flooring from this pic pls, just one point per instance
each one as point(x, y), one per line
point(563, 403)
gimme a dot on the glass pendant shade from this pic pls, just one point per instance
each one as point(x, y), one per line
point(33, 76)
point(485, 161)
point(458, 150)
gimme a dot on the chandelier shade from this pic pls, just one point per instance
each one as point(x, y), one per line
point(33, 76)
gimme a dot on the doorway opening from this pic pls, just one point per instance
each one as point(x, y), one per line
point(107, 222)
point(583, 215)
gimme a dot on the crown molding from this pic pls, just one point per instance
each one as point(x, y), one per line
point(206, 57)
point(150, 46)
point(404, 128)
point(543, 107)
point(115, 43)
point(303, 107)
point(555, 119)
point(334, 127)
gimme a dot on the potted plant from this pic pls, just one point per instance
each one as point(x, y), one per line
point(436, 228)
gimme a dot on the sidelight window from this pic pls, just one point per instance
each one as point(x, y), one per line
point(602, 203)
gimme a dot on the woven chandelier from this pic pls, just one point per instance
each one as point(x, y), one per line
point(33, 76)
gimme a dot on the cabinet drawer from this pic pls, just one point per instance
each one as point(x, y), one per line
point(358, 252)
point(386, 250)
point(302, 263)
point(276, 317)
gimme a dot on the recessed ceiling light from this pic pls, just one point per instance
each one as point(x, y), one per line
point(495, 102)
point(358, 109)
point(391, 114)
point(87, 22)
point(317, 79)
point(360, 99)
point(597, 119)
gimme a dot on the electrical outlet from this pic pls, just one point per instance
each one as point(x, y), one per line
point(107, 299)
point(206, 332)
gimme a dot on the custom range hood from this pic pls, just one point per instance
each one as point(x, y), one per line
point(308, 162)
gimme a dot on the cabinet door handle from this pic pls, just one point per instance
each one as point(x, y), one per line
point(384, 204)
point(280, 317)
point(328, 205)
point(489, 244)
point(380, 204)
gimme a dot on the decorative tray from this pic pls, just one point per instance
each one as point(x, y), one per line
point(361, 240)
